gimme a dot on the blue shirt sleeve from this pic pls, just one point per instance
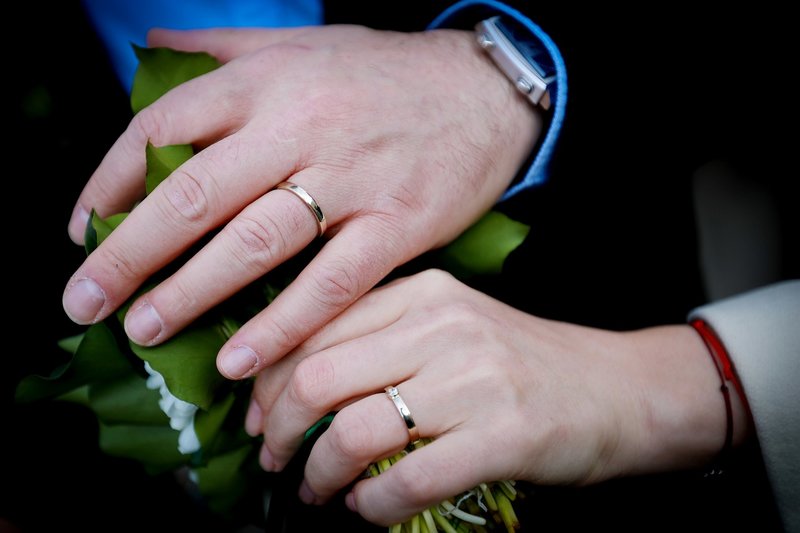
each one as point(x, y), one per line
point(473, 11)
point(122, 22)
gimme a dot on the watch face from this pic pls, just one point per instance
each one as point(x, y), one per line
point(528, 46)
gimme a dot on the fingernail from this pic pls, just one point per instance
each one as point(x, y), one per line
point(83, 299)
point(143, 325)
point(350, 502)
point(254, 419)
point(238, 362)
point(77, 223)
point(305, 493)
point(265, 459)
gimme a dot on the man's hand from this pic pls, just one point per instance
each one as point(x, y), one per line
point(402, 139)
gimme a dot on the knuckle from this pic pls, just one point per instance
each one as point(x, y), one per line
point(122, 265)
point(453, 318)
point(435, 279)
point(311, 382)
point(183, 296)
point(256, 243)
point(414, 483)
point(394, 232)
point(186, 197)
point(350, 437)
point(336, 285)
point(321, 106)
point(401, 200)
point(492, 377)
point(464, 315)
point(104, 192)
point(284, 334)
point(148, 125)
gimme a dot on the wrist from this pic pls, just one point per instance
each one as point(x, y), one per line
point(534, 52)
point(510, 123)
point(681, 418)
point(513, 112)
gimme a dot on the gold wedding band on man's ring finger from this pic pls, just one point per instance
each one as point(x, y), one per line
point(310, 203)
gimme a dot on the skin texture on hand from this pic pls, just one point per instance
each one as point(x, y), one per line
point(403, 139)
point(505, 395)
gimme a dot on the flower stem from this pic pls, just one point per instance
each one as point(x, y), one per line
point(507, 513)
point(462, 515)
point(423, 527)
point(509, 490)
point(465, 515)
point(427, 516)
point(442, 522)
point(489, 497)
point(415, 524)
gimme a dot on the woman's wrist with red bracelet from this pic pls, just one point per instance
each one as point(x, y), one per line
point(683, 415)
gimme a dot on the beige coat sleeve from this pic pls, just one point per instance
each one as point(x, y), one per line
point(760, 330)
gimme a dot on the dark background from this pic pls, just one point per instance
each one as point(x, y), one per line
point(654, 94)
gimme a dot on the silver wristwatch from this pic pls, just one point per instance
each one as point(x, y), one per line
point(520, 56)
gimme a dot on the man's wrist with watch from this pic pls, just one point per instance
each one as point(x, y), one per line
point(530, 60)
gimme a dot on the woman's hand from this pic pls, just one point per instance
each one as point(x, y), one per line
point(402, 139)
point(504, 394)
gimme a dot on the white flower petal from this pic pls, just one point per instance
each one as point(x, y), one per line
point(166, 403)
point(182, 408)
point(188, 441)
point(181, 413)
point(155, 380)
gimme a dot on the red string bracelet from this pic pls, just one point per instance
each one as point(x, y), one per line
point(724, 367)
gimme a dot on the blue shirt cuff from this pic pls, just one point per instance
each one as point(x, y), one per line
point(537, 172)
point(120, 23)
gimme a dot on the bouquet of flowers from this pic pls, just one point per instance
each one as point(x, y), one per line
point(168, 407)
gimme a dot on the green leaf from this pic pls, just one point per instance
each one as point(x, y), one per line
point(221, 428)
point(161, 69)
point(208, 423)
point(484, 246)
point(79, 396)
point(98, 357)
point(98, 229)
point(162, 161)
point(90, 235)
point(126, 400)
point(223, 481)
point(220, 471)
point(321, 424)
point(106, 225)
point(188, 363)
point(155, 446)
point(70, 344)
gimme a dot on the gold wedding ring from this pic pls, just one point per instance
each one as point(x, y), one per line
point(313, 206)
point(394, 395)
